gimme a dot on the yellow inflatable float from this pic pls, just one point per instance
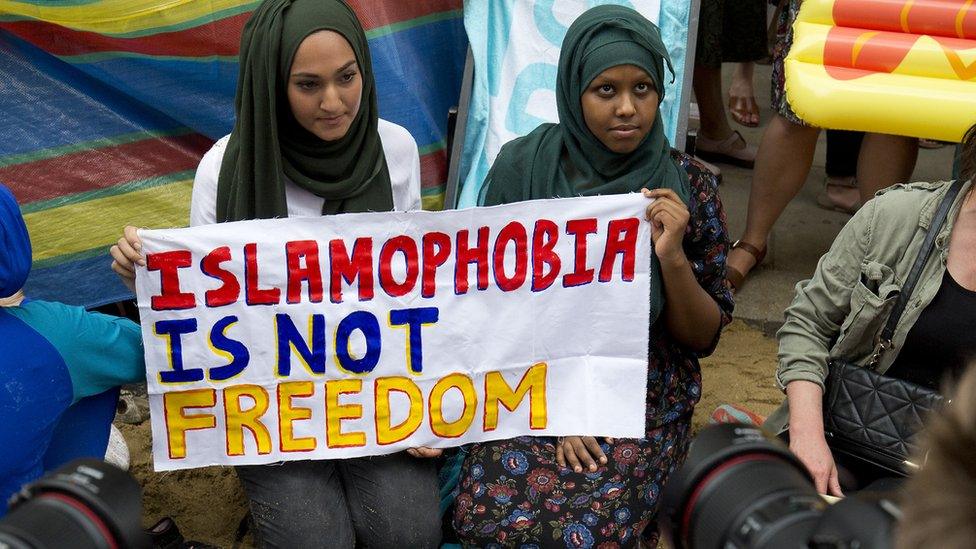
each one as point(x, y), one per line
point(904, 67)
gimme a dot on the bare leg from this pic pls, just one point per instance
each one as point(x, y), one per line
point(717, 142)
point(742, 95)
point(884, 161)
point(742, 74)
point(708, 91)
point(782, 165)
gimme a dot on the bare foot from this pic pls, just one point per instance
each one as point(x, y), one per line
point(742, 97)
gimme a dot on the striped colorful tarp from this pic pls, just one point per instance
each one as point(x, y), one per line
point(107, 105)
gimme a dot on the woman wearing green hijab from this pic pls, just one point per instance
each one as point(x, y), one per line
point(580, 491)
point(307, 141)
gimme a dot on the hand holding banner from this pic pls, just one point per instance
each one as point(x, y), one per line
point(364, 334)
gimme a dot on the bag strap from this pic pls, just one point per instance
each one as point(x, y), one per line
point(938, 220)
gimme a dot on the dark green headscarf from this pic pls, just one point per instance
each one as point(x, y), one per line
point(268, 144)
point(566, 159)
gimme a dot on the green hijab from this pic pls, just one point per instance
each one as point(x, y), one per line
point(268, 144)
point(566, 159)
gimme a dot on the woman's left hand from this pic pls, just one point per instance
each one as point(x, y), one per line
point(424, 452)
point(669, 217)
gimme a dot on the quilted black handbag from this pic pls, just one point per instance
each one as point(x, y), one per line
point(876, 418)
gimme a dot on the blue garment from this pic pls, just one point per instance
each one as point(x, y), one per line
point(83, 430)
point(15, 246)
point(51, 356)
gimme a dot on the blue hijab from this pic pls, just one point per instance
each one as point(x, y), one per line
point(15, 247)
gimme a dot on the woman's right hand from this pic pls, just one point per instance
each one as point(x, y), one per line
point(578, 453)
point(126, 253)
point(815, 455)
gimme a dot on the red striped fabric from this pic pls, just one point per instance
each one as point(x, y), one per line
point(217, 38)
point(104, 167)
point(433, 168)
point(374, 14)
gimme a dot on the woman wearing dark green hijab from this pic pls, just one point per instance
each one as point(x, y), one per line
point(580, 491)
point(307, 140)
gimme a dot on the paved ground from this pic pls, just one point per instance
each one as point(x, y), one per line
point(803, 233)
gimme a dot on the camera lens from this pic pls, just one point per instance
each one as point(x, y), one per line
point(87, 504)
point(739, 488)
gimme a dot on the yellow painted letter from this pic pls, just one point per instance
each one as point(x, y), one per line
point(335, 413)
point(178, 423)
point(386, 433)
point(239, 419)
point(288, 414)
point(497, 391)
point(438, 424)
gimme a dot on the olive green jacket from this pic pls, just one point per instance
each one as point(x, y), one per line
point(839, 313)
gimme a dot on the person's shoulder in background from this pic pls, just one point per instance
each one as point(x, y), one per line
point(100, 351)
point(899, 210)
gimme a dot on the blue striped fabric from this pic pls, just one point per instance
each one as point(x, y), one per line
point(49, 104)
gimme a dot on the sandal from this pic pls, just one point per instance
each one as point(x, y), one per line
point(931, 143)
point(744, 110)
point(734, 276)
point(725, 151)
point(828, 201)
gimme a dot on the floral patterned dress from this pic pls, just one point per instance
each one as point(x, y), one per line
point(784, 42)
point(513, 494)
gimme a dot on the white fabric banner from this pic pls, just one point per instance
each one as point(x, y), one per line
point(364, 334)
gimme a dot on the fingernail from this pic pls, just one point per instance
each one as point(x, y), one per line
point(578, 469)
point(603, 459)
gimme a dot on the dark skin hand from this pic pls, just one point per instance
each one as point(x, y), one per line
point(580, 452)
point(691, 315)
point(424, 452)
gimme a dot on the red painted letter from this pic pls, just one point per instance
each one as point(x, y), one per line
point(437, 248)
point(580, 228)
point(230, 289)
point(467, 255)
point(408, 247)
point(621, 239)
point(170, 296)
point(544, 239)
point(252, 294)
point(311, 272)
point(344, 268)
point(513, 232)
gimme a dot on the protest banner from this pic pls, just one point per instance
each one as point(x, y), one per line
point(365, 334)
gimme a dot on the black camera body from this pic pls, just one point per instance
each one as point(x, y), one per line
point(742, 488)
point(87, 504)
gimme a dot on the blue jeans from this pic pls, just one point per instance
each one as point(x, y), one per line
point(381, 501)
